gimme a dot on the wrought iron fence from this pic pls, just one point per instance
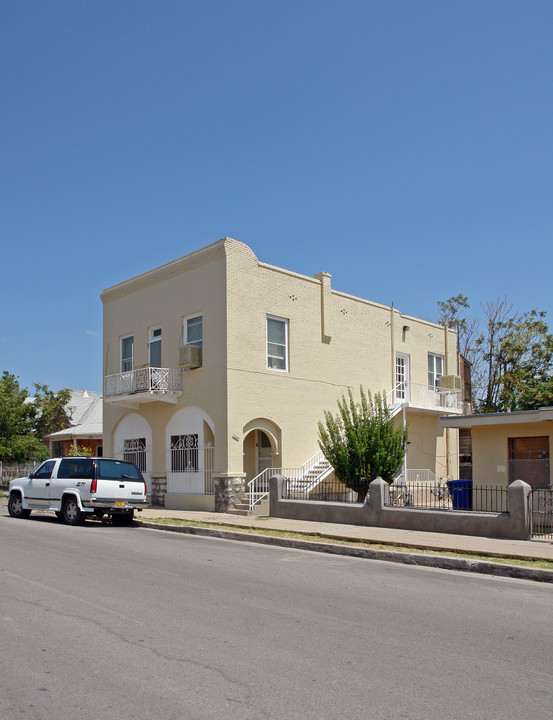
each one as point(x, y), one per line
point(416, 495)
point(438, 496)
point(190, 467)
point(147, 379)
point(134, 450)
point(541, 512)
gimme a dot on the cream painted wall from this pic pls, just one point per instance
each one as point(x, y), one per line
point(490, 450)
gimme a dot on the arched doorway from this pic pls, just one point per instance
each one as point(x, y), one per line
point(261, 447)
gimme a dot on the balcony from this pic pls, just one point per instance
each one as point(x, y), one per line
point(418, 396)
point(142, 385)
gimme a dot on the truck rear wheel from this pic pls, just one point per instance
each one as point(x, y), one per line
point(71, 512)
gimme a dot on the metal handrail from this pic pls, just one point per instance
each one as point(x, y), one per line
point(258, 487)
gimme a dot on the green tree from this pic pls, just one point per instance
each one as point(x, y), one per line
point(511, 354)
point(524, 358)
point(50, 409)
point(18, 442)
point(361, 442)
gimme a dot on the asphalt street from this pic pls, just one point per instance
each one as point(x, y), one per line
point(109, 622)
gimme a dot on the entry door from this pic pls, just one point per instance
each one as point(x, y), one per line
point(402, 378)
point(264, 452)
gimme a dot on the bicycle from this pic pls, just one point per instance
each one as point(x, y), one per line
point(400, 496)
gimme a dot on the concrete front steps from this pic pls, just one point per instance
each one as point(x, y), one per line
point(261, 508)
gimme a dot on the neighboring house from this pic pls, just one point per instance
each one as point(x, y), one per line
point(219, 366)
point(508, 446)
point(84, 425)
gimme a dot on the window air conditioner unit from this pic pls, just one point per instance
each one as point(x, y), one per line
point(451, 382)
point(190, 356)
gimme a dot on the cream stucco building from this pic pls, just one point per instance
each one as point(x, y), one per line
point(218, 366)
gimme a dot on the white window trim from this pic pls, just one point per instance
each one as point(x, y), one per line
point(286, 367)
point(402, 393)
point(126, 337)
point(436, 377)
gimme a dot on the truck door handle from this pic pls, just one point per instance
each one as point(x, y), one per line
point(47, 484)
point(121, 486)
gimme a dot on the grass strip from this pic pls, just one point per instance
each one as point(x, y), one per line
point(390, 547)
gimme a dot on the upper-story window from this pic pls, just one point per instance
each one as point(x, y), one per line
point(193, 330)
point(127, 353)
point(277, 343)
point(154, 347)
point(435, 370)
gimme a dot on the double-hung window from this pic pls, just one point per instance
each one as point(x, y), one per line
point(154, 347)
point(277, 343)
point(435, 370)
point(193, 332)
point(127, 353)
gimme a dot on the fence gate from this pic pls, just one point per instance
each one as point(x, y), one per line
point(540, 512)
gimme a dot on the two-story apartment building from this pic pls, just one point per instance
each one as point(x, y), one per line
point(218, 366)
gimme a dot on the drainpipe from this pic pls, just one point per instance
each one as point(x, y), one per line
point(392, 346)
point(446, 369)
point(405, 455)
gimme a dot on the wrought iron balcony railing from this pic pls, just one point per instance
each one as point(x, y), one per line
point(142, 380)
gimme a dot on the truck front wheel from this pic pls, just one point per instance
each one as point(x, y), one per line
point(15, 506)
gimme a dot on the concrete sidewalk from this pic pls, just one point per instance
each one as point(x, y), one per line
point(528, 549)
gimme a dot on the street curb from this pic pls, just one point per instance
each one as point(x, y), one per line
point(436, 561)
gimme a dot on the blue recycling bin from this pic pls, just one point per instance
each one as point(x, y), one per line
point(461, 494)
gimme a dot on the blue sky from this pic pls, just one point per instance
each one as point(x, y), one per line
point(406, 147)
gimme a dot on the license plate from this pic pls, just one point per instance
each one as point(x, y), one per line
point(120, 503)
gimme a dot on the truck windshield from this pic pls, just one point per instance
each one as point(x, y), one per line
point(117, 470)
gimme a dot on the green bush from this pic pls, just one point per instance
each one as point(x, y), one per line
point(361, 442)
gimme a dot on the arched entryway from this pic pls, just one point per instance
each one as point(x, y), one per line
point(261, 447)
point(189, 443)
point(132, 441)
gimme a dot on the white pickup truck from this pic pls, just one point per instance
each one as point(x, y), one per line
point(77, 487)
